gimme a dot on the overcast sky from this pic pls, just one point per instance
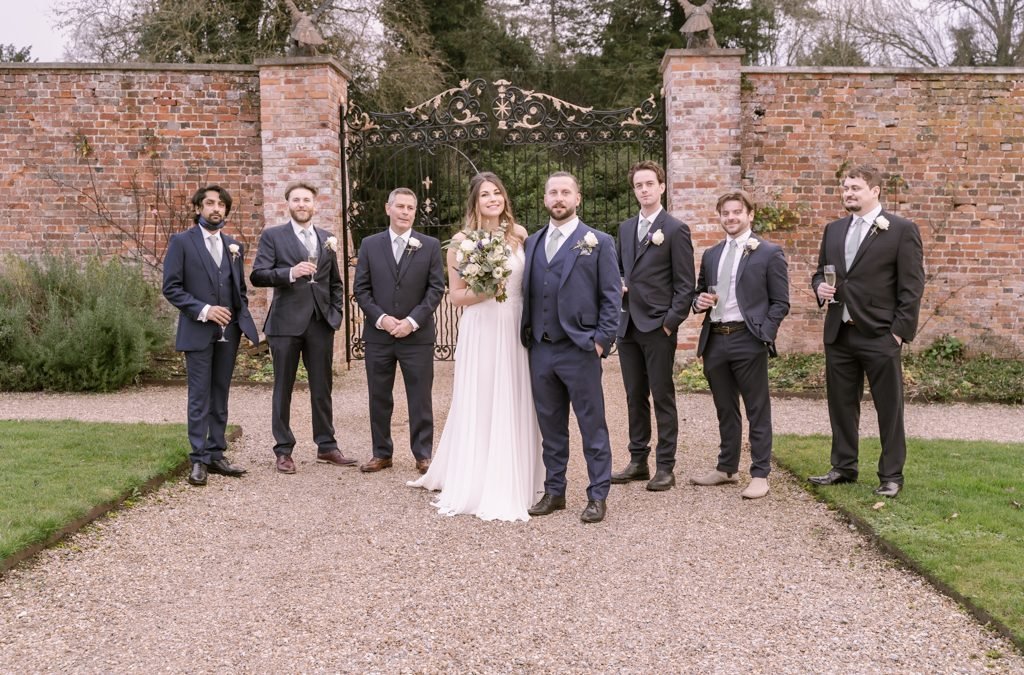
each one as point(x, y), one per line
point(28, 22)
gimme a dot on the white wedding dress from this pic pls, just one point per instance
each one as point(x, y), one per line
point(488, 462)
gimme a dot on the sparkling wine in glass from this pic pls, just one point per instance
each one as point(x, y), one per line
point(312, 257)
point(222, 338)
point(830, 279)
point(713, 290)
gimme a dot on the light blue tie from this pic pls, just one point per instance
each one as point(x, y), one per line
point(552, 246)
point(724, 280)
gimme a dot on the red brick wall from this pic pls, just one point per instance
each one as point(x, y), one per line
point(954, 138)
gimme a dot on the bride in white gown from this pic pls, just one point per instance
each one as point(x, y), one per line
point(488, 462)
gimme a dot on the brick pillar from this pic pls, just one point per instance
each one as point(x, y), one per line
point(300, 123)
point(702, 104)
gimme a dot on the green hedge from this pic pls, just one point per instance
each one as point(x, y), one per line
point(73, 325)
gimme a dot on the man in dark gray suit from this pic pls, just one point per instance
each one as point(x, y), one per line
point(656, 264)
point(878, 263)
point(751, 298)
point(300, 262)
point(399, 283)
point(204, 278)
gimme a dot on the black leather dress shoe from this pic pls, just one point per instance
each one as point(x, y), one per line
point(663, 480)
point(548, 504)
point(888, 489)
point(833, 477)
point(634, 471)
point(594, 513)
point(197, 476)
point(225, 468)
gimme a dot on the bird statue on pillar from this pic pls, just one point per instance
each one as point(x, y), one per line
point(698, 21)
point(303, 38)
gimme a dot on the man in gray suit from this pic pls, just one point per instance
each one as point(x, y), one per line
point(751, 298)
point(399, 283)
point(300, 262)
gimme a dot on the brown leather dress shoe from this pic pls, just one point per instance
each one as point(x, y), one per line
point(335, 457)
point(422, 465)
point(376, 464)
point(285, 464)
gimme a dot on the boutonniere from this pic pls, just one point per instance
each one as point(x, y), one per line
point(658, 238)
point(331, 244)
point(881, 224)
point(587, 244)
point(751, 246)
point(233, 250)
point(414, 244)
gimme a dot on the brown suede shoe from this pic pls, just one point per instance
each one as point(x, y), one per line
point(376, 464)
point(285, 464)
point(422, 465)
point(335, 457)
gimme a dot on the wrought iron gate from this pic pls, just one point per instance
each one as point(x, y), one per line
point(435, 148)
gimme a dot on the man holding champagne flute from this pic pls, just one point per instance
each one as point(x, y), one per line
point(747, 302)
point(874, 294)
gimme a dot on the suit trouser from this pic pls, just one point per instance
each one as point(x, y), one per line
point(417, 363)
point(209, 372)
point(647, 360)
point(847, 361)
point(561, 373)
point(316, 348)
point(737, 364)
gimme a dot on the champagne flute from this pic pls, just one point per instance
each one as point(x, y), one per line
point(830, 279)
point(222, 338)
point(312, 258)
point(713, 290)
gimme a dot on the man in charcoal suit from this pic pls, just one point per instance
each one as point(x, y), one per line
point(656, 263)
point(399, 283)
point(572, 293)
point(751, 298)
point(879, 267)
point(300, 262)
point(204, 277)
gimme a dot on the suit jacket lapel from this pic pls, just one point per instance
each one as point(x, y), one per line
point(714, 260)
point(744, 255)
point(866, 242)
point(837, 247)
point(629, 246)
point(199, 241)
point(567, 250)
point(658, 224)
point(406, 259)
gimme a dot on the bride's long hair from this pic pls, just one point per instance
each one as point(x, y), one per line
point(505, 221)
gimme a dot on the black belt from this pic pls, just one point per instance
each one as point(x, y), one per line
point(726, 327)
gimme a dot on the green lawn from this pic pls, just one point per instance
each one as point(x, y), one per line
point(959, 520)
point(54, 472)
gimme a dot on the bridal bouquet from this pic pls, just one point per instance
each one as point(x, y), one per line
point(483, 262)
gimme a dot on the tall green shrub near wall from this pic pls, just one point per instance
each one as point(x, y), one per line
point(74, 325)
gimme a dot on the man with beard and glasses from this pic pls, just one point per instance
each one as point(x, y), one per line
point(300, 262)
point(871, 274)
point(204, 277)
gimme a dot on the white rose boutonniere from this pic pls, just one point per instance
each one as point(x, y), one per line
point(331, 244)
point(414, 244)
point(751, 246)
point(881, 224)
point(658, 238)
point(586, 245)
point(233, 250)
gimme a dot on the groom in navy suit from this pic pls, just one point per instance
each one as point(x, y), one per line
point(204, 278)
point(572, 294)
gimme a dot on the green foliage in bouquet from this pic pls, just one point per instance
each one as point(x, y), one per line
point(66, 325)
point(483, 262)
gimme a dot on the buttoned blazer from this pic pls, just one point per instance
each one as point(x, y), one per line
point(659, 277)
point(411, 288)
point(883, 286)
point(589, 290)
point(762, 289)
point(190, 283)
point(293, 305)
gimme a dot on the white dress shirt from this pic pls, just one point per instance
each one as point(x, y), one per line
point(731, 309)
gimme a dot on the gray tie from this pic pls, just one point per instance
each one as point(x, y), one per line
point(213, 244)
point(641, 232)
point(399, 249)
point(308, 241)
point(853, 240)
point(552, 246)
point(725, 280)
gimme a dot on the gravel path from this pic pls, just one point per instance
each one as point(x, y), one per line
point(330, 570)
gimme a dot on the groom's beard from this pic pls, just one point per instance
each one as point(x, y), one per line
point(560, 212)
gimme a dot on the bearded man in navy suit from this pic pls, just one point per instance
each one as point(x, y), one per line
point(751, 281)
point(204, 277)
point(879, 280)
point(572, 293)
